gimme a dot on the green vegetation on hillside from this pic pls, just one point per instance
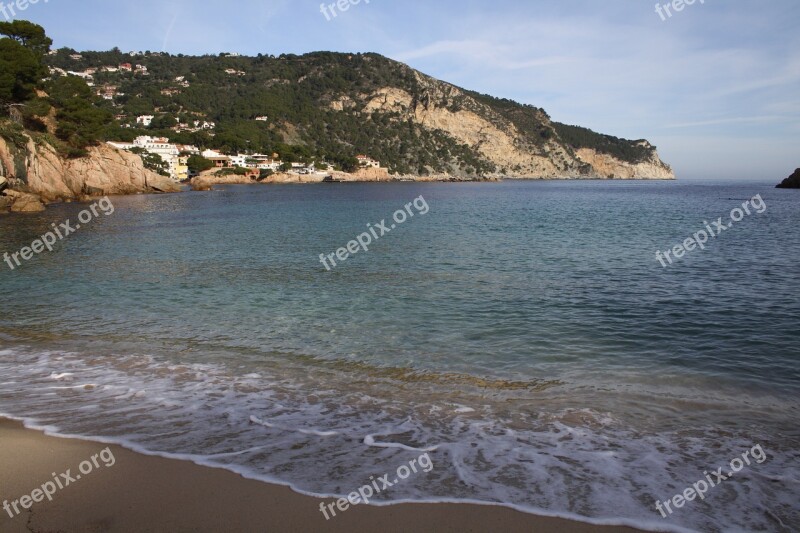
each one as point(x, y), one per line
point(309, 108)
point(80, 122)
point(624, 150)
point(294, 92)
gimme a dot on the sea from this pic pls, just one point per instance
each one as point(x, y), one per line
point(522, 334)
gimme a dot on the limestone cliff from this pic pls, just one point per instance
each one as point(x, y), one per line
point(503, 141)
point(35, 167)
point(607, 166)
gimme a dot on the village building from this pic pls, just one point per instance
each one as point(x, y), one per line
point(367, 162)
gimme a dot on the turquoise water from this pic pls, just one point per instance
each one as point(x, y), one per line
point(525, 330)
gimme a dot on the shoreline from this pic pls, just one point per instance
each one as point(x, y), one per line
point(209, 183)
point(139, 492)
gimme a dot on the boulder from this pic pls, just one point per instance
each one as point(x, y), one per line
point(3, 184)
point(23, 202)
point(206, 180)
point(158, 183)
point(200, 185)
point(5, 204)
point(88, 190)
point(792, 182)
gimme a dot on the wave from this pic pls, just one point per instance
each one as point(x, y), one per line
point(560, 450)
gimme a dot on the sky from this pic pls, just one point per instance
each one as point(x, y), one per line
point(715, 86)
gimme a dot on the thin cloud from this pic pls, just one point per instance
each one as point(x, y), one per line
point(491, 54)
point(736, 120)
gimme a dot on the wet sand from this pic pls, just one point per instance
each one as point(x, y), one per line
point(140, 493)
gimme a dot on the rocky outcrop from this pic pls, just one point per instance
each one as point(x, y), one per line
point(285, 177)
point(440, 106)
point(23, 202)
point(497, 139)
point(364, 174)
point(606, 166)
point(206, 180)
point(36, 168)
point(792, 182)
point(361, 175)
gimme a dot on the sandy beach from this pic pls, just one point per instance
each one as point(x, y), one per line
point(143, 493)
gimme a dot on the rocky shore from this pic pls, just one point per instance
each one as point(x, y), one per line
point(35, 175)
point(208, 179)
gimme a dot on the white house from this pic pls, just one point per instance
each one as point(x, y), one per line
point(84, 75)
point(145, 120)
point(169, 153)
point(239, 160)
point(208, 154)
point(367, 162)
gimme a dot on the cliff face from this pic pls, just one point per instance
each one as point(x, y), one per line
point(606, 166)
point(515, 153)
point(37, 168)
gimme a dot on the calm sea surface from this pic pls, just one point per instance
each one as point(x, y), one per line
point(522, 333)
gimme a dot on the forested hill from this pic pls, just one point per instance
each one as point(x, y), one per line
point(335, 106)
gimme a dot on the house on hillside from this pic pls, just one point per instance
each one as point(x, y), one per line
point(367, 162)
point(219, 160)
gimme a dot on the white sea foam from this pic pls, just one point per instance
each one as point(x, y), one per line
point(316, 432)
point(369, 440)
point(586, 463)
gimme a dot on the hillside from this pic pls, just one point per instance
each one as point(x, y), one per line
point(51, 141)
point(334, 106)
